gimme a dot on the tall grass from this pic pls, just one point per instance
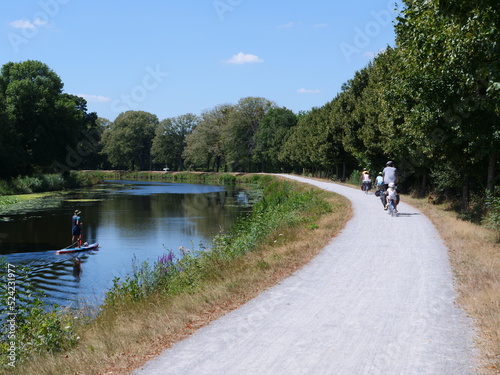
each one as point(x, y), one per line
point(188, 177)
point(49, 182)
point(29, 326)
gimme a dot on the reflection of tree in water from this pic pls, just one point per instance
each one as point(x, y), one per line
point(196, 212)
point(218, 209)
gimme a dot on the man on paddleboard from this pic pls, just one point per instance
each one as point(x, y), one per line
point(76, 229)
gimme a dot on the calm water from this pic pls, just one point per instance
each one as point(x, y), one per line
point(130, 221)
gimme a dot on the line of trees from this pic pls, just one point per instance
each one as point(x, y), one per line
point(431, 104)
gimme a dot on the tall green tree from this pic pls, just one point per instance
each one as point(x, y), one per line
point(128, 140)
point(40, 123)
point(453, 47)
point(204, 144)
point(170, 139)
point(238, 136)
point(270, 136)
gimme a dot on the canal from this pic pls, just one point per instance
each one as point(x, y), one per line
point(133, 222)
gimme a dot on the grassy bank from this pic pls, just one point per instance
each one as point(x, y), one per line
point(187, 177)
point(163, 302)
point(48, 182)
point(475, 258)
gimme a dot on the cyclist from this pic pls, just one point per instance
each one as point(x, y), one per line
point(379, 180)
point(389, 174)
point(366, 181)
point(392, 195)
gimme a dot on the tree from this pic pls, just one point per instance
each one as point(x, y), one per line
point(40, 123)
point(128, 140)
point(270, 136)
point(169, 142)
point(204, 143)
point(238, 136)
point(91, 144)
point(453, 45)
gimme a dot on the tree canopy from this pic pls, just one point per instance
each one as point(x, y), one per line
point(128, 140)
point(170, 138)
point(39, 123)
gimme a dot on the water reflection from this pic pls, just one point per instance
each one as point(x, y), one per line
point(130, 220)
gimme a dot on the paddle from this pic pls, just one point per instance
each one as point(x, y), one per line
point(70, 245)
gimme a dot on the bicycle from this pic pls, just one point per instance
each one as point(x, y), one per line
point(366, 187)
point(380, 193)
point(392, 208)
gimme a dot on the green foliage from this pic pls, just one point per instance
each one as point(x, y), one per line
point(30, 326)
point(170, 138)
point(4, 201)
point(355, 178)
point(238, 137)
point(38, 122)
point(204, 147)
point(49, 182)
point(270, 137)
point(128, 140)
point(227, 179)
point(492, 218)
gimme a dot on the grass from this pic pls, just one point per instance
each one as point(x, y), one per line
point(48, 182)
point(289, 227)
point(475, 259)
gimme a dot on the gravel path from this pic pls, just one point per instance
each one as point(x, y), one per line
point(379, 299)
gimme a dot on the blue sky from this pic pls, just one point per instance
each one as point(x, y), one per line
point(175, 57)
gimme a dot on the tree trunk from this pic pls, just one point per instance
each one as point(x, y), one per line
point(490, 184)
point(465, 192)
point(423, 186)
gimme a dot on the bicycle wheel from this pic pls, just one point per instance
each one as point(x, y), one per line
point(391, 208)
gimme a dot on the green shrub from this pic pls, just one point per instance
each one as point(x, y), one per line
point(492, 217)
point(355, 178)
point(227, 179)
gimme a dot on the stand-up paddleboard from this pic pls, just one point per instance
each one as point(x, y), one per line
point(77, 249)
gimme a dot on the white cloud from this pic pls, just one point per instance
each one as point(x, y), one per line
point(243, 58)
point(319, 25)
point(94, 98)
point(308, 91)
point(39, 22)
point(22, 24)
point(27, 24)
point(288, 25)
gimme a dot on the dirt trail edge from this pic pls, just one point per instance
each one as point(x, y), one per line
point(379, 299)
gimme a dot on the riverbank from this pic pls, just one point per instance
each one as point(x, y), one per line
point(42, 183)
point(135, 326)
